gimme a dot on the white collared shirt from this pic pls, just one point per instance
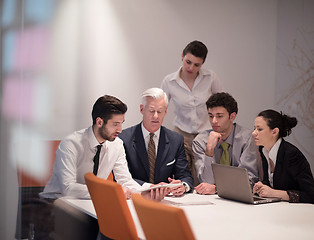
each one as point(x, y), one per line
point(74, 158)
point(147, 137)
point(190, 112)
point(272, 154)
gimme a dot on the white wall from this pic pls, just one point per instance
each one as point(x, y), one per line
point(294, 89)
point(124, 47)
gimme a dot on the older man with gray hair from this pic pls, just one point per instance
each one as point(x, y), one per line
point(154, 153)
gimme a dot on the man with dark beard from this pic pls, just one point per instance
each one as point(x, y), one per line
point(75, 155)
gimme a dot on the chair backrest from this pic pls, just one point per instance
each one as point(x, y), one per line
point(161, 221)
point(113, 214)
point(27, 180)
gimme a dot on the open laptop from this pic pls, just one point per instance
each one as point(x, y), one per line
point(233, 183)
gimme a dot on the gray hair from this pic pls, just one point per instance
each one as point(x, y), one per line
point(156, 93)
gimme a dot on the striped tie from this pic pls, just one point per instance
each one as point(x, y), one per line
point(151, 151)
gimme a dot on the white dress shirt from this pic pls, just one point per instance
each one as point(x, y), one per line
point(74, 158)
point(272, 154)
point(147, 137)
point(190, 106)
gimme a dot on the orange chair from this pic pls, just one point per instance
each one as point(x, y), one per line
point(114, 217)
point(161, 221)
point(26, 180)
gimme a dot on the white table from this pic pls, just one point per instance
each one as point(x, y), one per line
point(226, 219)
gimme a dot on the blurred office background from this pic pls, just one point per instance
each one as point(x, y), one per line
point(58, 57)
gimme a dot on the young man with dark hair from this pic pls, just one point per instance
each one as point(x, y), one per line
point(76, 154)
point(189, 88)
point(226, 143)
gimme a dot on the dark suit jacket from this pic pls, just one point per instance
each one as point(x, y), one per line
point(170, 160)
point(292, 172)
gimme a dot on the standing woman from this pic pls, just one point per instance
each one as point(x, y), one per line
point(189, 88)
point(286, 172)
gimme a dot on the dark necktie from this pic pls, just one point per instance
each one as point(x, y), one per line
point(225, 154)
point(151, 151)
point(96, 160)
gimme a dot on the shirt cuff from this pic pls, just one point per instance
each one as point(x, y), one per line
point(187, 186)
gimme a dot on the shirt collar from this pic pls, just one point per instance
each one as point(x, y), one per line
point(93, 142)
point(146, 133)
point(274, 151)
point(230, 138)
point(176, 76)
point(272, 154)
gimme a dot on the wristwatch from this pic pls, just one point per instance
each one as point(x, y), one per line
point(187, 187)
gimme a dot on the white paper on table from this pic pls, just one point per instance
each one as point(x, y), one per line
point(188, 199)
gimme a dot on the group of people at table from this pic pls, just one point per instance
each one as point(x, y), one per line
point(204, 132)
